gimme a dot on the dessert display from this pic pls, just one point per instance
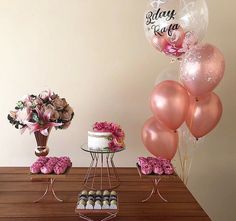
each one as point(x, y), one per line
point(50, 165)
point(97, 200)
point(155, 165)
point(106, 136)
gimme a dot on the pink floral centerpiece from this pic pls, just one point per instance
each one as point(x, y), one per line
point(118, 135)
point(39, 114)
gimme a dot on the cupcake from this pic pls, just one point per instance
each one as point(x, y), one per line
point(84, 193)
point(98, 204)
point(106, 193)
point(113, 193)
point(105, 204)
point(91, 193)
point(81, 204)
point(113, 204)
point(98, 193)
point(89, 204)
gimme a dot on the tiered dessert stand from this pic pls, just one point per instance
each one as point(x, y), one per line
point(102, 173)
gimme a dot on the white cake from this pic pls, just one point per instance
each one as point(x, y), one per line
point(99, 140)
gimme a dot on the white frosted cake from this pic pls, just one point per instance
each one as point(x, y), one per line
point(99, 140)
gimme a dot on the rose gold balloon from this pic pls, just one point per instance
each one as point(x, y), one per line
point(169, 103)
point(204, 114)
point(159, 140)
point(202, 69)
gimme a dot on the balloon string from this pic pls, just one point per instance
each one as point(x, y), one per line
point(180, 158)
point(185, 160)
point(191, 121)
point(191, 160)
point(183, 146)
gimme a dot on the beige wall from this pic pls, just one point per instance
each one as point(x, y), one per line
point(95, 54)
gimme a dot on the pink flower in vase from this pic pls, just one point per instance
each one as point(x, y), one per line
point(43, 123)
point(47, 95)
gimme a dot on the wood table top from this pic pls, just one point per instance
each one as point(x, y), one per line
point(17, 193)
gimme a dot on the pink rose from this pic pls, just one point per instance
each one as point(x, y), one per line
point(68, 109)
point(54, 115)
point(47, 95)
point(59, 103)
point(65, 116)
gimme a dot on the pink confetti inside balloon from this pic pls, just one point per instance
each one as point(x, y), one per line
point(202, 69)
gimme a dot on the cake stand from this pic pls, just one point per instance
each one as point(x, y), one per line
point(101, 173)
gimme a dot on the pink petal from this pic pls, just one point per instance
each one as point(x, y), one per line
point(44, 132)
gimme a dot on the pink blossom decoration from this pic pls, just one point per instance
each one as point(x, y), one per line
point(157, 165)
point(118, 134)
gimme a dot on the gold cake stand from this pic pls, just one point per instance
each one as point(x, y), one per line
point(101, 173)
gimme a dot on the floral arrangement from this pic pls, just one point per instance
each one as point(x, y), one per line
point(118, 135)
point(41, 113)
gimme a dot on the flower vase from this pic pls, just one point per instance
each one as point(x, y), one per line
point(41, 140)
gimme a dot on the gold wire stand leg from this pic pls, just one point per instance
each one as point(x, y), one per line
point(109, 217)
point(49, 187)
point(155, 190)
point(103, 168)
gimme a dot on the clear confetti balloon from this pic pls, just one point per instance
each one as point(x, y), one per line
point(202, 69)
point(174, 26)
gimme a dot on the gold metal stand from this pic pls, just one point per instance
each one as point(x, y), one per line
point(110, 215)
point(49, 188)
point(50, 180)
point(102, 173)
point(155, 179)
point(155, 190)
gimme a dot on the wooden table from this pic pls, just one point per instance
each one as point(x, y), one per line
point(17, 194)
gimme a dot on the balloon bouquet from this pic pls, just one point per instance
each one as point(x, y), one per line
point(176, 28)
